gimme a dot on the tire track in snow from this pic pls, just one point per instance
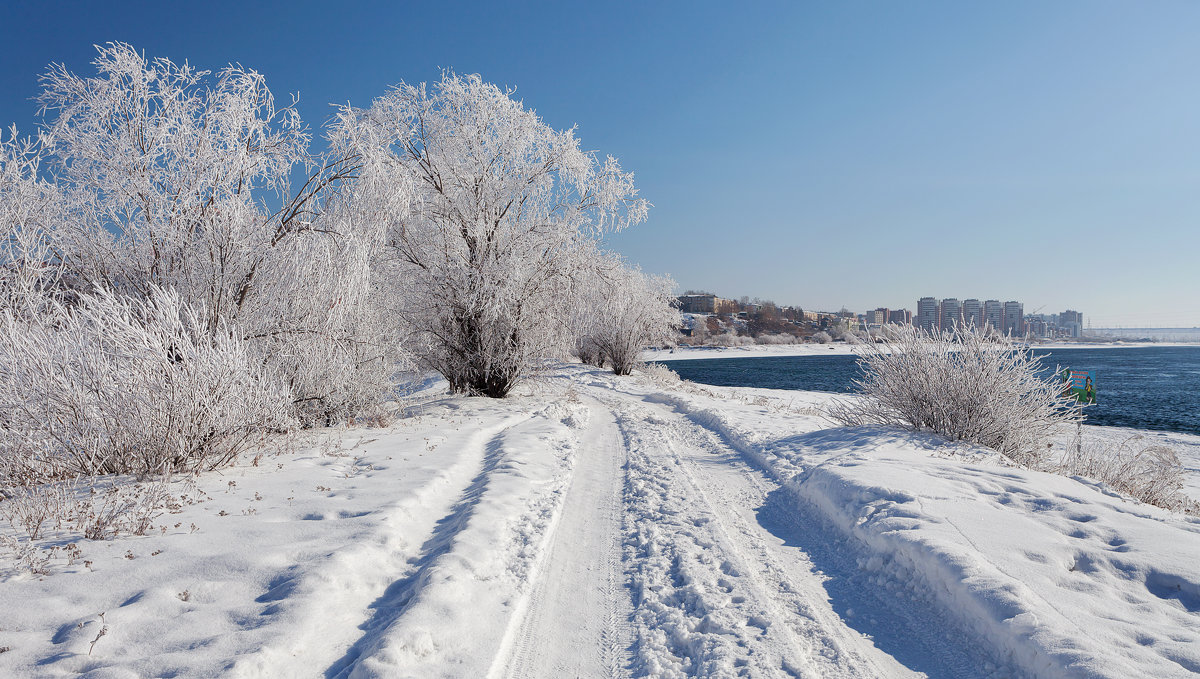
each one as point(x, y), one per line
point(784, 576)
point(869, 596)
point(323, 607)
point(702, 610)
point(576, 621)
point(391, 604)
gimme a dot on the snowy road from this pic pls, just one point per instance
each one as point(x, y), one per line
point(606, 527)
point(576, 621)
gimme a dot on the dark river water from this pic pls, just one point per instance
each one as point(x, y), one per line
point(1147, 388)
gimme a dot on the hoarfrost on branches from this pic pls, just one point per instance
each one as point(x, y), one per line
point(637, 311)
point(119, 385)
point(965, 386)
point(179, 178)
point(489, 213)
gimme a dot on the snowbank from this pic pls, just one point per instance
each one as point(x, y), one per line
point(371, 552)
point(1060, 576)
point(414, 550)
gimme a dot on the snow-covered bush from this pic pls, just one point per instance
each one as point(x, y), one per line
point(1153, 474)
point(28, 206)
point(778, 338)
point(963, 386)
point(822, 337)
point(638, 312)
point(489, 211)
point(119, 385)
point(660, 375)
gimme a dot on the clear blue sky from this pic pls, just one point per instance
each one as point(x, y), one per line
point(815, 153)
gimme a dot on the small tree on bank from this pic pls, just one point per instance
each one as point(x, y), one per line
point(638, 312)
point(489, 212)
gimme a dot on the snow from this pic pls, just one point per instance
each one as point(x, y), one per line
point(598, 526)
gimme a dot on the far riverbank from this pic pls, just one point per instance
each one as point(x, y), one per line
point(688, 353)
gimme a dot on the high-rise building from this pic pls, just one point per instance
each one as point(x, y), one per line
point(972, 311)
point(1071, 322)
point(993, 314)
point(951, 313)
point(1014, 319)
point(900, 317)
point(878, 316)
point(927, 314)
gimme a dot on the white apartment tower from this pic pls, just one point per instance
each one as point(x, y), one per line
point(952, 310)
point(1014, 319)
point(927, 314)
point(993, 314)
point(972, 311)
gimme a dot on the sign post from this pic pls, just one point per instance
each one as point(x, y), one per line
point(1080, 384)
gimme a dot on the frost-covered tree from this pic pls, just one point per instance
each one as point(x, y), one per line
point(489, 211)
point(638, 312)
point(584, 301)
point(700, 331)
point(29, 207)
point(177, 178)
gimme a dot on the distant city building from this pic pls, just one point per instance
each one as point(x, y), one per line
point(927, 314)
point(1007, 318)
point(1038, 325)
point(1071, 323)
point(972, 312)
point(951, 313)
point(1014, 319)
point(993, 314)
point(878, 316)
point(704, 304)
point(900, 317)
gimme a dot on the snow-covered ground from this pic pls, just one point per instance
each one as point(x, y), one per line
point(597, 526)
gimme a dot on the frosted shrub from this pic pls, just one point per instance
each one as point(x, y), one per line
point(822, 338)
point(661, 375)
point(778, 338)
point(116, 385)
point(729, 339)
point(965, 387)
point(584, 300)
point(1152, 474)
point(333, 341)
point(29, 206)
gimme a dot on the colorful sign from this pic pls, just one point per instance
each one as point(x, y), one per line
point(1079, 383)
